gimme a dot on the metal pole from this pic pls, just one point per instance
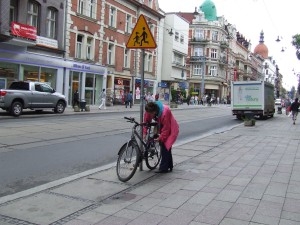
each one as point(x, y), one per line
point(203, 71)
point(142, 101)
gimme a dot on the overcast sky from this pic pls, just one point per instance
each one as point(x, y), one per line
point(250, 17)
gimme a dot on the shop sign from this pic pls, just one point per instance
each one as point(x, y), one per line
point(23, 30)
point(163, 84)
point(46, 42)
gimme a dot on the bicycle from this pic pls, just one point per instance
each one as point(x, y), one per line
point(131, 154)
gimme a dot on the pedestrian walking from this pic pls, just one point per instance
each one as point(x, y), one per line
point(294, 108)
point(128, 100)
point(168, 131)
point(103, 99)
point(76, 98)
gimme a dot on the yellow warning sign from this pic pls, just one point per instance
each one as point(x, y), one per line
point(141, 36)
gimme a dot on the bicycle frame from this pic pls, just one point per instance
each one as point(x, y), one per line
point(135, 136)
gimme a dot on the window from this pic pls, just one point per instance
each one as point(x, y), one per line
point(13, 11)
point(80, 6)
point(213, 71)
point(51, 22)
point(176, 36)
point(178, 59)
point(112, 17)
point(213, 53)
point(33, 14)
point(91, 9)
point(198, 51)
point(181, 39)
point(87, 8)
point(150, 2)
point(111, 53)
point(215, 36)
point(89, 48)
point(79, 44)
point(197, 69)
point(199, 34)
point(126, 58)
point(128, 24)
point(149, 63)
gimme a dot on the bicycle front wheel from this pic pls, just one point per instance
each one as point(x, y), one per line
point(128, 161)
point(153, 155)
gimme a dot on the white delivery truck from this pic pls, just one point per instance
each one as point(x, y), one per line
point(255, 98)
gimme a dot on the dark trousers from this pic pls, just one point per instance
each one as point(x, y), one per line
point(166, 158)
point(128, 103)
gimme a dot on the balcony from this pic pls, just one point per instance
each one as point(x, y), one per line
point(224, 44)
point(199, 40)
point(197, 59)
point(178, 65)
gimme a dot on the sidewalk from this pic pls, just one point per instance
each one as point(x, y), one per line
point(246, 176)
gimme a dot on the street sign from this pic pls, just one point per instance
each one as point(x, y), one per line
point(141, 36)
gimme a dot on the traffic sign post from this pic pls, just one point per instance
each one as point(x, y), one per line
point(141, 38)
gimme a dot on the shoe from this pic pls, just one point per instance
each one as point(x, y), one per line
point(161, 171)
point(294, 123)
point(171, 169)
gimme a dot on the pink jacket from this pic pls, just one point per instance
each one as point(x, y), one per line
point(169, 128)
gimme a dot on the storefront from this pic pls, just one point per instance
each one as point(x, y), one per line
point(148, 88)
point(121, 86)
point(63, 75)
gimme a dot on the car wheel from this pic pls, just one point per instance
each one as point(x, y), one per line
point(16, 109)
point(60, 107)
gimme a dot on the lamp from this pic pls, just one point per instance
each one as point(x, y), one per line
point(170, 32)
point(283, 49)
point(278, 39)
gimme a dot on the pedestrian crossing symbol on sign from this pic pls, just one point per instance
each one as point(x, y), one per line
point(141, 36)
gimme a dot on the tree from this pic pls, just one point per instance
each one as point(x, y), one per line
point(296, 44)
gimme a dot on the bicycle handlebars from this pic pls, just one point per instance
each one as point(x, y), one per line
point(132, 120)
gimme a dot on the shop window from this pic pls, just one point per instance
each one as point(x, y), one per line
point(8, 74)
point(30, 73)
point(48, 75)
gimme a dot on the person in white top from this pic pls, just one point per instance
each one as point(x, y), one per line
point(103, 98)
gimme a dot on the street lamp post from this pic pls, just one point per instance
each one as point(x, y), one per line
point(202, 59)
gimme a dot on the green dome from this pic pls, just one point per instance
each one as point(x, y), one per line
point(209, 9)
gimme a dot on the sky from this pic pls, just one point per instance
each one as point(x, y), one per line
point(273, 17)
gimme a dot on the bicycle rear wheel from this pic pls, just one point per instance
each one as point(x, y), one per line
point(128, 161)
point(153, 155)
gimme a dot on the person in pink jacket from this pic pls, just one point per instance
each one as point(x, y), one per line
point(168, 131)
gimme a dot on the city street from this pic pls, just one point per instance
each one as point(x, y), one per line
point(38, 150)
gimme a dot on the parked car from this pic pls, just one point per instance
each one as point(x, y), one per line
point(31, 95)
